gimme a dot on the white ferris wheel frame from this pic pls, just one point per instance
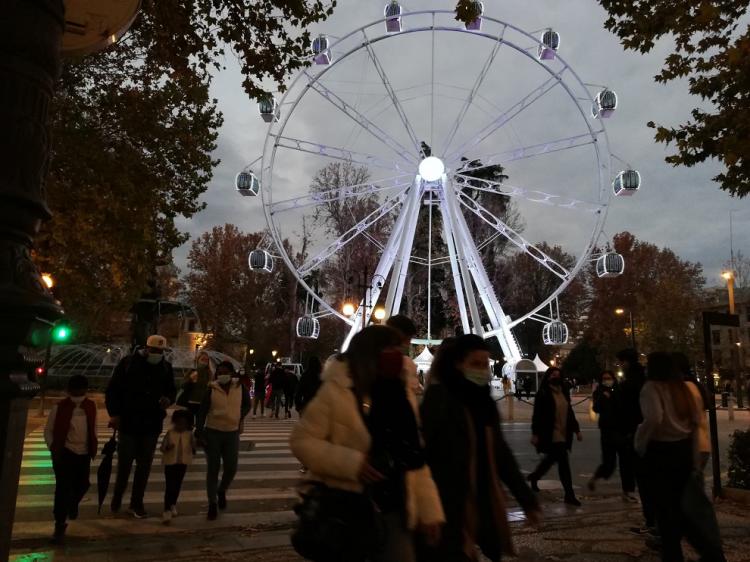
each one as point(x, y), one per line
point(393, 253)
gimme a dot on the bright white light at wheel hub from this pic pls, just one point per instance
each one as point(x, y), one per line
point(431, 168)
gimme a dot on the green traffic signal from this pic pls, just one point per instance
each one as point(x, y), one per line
point(61, 333)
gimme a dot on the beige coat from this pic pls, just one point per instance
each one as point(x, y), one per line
point(332, 441)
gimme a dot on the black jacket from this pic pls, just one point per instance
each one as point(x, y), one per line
point(605, 404)
point(134, 391)
point(543, 418)
point(277, 379)
point(629, 401)
point(446, 424)
point(309, 384)
point(259, 384)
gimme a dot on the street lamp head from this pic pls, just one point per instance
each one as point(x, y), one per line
point(274, 353)
point(348, 309)
point(727, 275)
point(379, 313)
point(251, 351)
point(619, 311)
point(48, 280)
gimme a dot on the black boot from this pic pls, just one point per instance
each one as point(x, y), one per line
point(213, 512)
point(533, 482)
point(58, 537)
point(222, 497)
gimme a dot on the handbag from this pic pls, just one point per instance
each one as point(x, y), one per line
point(335, 525)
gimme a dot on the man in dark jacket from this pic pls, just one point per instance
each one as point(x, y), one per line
point(290, 389)
point(259, 393)
point(139, 392)
point(277, 381)
point(553, 425)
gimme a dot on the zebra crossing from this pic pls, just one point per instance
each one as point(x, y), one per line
point(266, 478)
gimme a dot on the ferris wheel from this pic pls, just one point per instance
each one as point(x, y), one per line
point(416, 107)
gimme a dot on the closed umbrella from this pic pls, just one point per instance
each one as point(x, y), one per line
point(104, 472)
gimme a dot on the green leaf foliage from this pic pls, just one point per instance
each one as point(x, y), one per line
point(712, 51)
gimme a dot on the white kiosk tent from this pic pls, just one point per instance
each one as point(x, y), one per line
point(424, 361)
point(541, 367)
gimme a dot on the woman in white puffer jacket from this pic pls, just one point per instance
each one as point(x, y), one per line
point(360, 430)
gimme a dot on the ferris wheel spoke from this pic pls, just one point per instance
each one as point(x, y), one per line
point(352, 233)
point(361, 120)
point(513, 237)
point(533, 195)
point(533, 150)
point(473, 92)
point(337, 194)
point(505, 117)
point(391, 93)
point(336, 153)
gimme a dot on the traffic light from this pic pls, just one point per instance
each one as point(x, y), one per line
point(40, 371)
point(61, 333)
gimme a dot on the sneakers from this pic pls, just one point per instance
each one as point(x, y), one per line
point(222, 497)
point(173, 510)
point(138, 512)
point(166, 517)
point(58, 537)
point(629, 497)
point(533, 482)
point(572, 500)
point(213, 512)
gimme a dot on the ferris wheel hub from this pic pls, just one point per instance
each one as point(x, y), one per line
point(431, 168)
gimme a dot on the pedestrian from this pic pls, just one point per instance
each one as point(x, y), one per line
point(681, 366)
point(309, 383)
point(196, 384)
point(527, 384)
point(290, 390)
point(259, 393)
point(628, 419)
point(177, 447)
point(469, 457)
point(672, 412)
point(220, 420)
point(70, 435)
point(277, 380)
point(137, 397)
point(406, 330)
point(360, 433)
point(553, 425)
point(614, 445)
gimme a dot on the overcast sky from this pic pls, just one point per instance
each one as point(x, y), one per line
point(676, 207)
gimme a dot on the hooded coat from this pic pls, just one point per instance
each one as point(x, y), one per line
point(543, 418)
point(332, 441)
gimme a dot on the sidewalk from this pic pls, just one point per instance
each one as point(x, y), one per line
point(596, 532)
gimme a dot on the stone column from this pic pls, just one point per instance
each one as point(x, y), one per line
point(30, 37)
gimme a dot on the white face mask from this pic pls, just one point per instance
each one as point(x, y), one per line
point(479, 377)
point(224, 379)
point(77, 400)
point(154, 358)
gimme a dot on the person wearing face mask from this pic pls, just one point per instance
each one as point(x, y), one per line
point(196, 384)
point(468, 456)
point(137, 397)
point(220, 420)
point(613, 441)
point(70, 435)
point(359, 434)
point(553, 425)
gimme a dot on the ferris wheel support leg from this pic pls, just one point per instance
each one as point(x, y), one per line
point(449, 219)
point(478, 273)
point(448, 236)
point(381, 271)
point(401, 264)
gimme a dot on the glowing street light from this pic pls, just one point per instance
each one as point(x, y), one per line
point(727, 275)
point(274, 353)
point(619, 311)
point(379, 313)
point(348, 309)
point(48, 280)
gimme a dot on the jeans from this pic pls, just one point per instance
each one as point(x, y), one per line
point(221, 447)
point(557, 453)
point(173, 477)
point(277, 398)
point(259, 400)
point(669, 465)
point(614, 447)
point(130, 448)
point(71, 482)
